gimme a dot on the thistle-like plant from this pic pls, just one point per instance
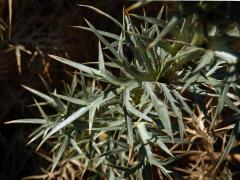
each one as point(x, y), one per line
point(128, 115)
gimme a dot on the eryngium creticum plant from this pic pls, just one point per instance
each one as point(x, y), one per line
point(125, 117)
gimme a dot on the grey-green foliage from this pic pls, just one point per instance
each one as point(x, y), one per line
point(111, 118)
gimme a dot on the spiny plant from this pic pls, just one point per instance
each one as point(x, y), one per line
point(125, 118)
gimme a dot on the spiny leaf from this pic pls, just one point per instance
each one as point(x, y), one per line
point(106, 75)
point(129, 124)
point(44, 116)
point(157, 163)
point(92, 112)
point(75, 146)
point(79, 66)
point(113, 151)
point(28, 121)
point(204, 61)
point(164, 147)
point(65, 122)
point(130, 108)
point(145, 136)
point(160, 107)
point(104, 33)
point(155, 21)
point(101, 64)
point(229, 79)
point(168, 28)
point(185, 105)
point(60, 152)
point(234, 135)
point(36, 136)
point(106, 43)
point(43, 96)
point(73, 100)
point(59, 103)
point(176, 110)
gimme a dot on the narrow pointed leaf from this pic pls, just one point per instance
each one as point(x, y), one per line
point(104, 33)
point(169, 27)
point(233, 138)
point(60, 152)
point(28, 121)
point(43, 96)
point(79, 66)
point(65, 122)
point(129, 125)
point(160, 107)
point(73, 100)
